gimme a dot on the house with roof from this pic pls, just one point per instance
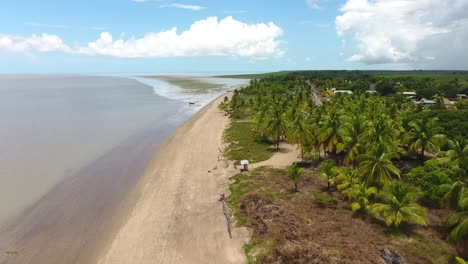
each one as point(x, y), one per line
point(342, 92)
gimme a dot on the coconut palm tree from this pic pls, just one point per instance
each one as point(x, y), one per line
point(376, 167)
point(360, 194)
point(457, 155)
point(328, 171)
point(453, 194)
point(399, 205)
point(424, 136)
point(459, 220)
point(276, 125)
point(351, 144)
point(299, 132)
point(330, 132)
point(380, 130)
point(347, 178)
point(295, 173)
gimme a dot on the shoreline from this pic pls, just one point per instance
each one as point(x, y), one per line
point(172, 215)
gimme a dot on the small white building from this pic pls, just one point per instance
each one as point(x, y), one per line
point(409, 94)
point(342, 92)
point(425, 101)
point(371, 91)
point(461, 95)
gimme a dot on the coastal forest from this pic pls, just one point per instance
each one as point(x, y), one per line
point(379, 177)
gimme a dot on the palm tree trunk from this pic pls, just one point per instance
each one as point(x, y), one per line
point(422, 154)
point(277, 143)
point(328, 185)
point(302, 154)
point(295, 186)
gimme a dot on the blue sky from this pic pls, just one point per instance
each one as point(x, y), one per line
point(132, 36)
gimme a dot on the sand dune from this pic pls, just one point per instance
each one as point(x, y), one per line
point(177, 217)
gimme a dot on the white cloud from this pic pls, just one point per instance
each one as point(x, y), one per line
point(208, 37)
point(182, 6)
point(308, 59)
point(44, 42)
point(414, 32)
point(314, 4)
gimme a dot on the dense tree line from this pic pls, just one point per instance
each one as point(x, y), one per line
point(359, 138)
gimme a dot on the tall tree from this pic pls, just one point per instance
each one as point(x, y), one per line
point(276, 125)
point(424, 135)
point(330, 131)
point(299, 131)
point(376, 167)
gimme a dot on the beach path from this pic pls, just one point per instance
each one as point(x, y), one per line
point(177, 217)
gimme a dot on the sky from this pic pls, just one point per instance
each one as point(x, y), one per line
point(100, 36)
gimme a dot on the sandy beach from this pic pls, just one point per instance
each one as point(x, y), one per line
point(177, 217)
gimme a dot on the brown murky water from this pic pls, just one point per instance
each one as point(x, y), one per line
point(71, 149)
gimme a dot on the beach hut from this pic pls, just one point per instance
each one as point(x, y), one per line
point(245, 163)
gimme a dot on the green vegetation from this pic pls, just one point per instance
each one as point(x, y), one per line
point(399, 205)
point(295, 173)
point(243, 143)
point(193, 83)
point(371, 150)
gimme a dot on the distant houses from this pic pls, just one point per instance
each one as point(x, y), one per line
point(342, 92)
point(425, 101)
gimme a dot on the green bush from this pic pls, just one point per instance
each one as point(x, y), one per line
point(428, 178)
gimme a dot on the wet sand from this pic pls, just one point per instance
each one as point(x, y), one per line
point(177, 217)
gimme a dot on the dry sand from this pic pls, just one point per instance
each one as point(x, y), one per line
point(177, 217)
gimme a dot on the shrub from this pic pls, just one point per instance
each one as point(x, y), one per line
point(428, 178)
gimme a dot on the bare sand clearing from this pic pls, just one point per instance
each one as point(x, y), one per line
point(286, 155)
point(177, 217)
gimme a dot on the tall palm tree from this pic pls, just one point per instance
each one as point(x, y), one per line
point(380, 130)
point(299, 132)
point(330, 131)
point(424, 136)
point(453, 194)
point(457, 155)
point(351, 144)
point(399, 205)
point(459, 220)
point(376, 167)
point(276, 125)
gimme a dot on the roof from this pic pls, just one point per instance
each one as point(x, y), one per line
point(409, 93)
point(426, 101)
point(461, 95)
point(343, 91)
point(371, 91)
point(244, 162)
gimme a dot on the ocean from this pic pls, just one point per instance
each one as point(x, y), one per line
point(73, 146)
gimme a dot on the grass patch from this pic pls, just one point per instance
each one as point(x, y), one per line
point(255, 249)
point(431, 250)
point(243, 143)
point(324, 200)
